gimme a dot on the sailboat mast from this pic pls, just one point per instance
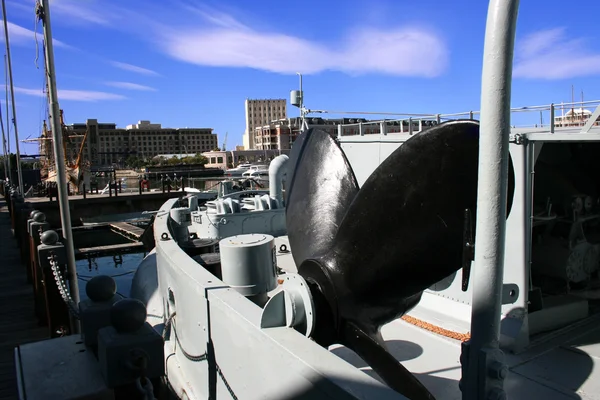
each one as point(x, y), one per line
point(4, 150)
point(43, 13)
point(7, 117)
point(12, 97)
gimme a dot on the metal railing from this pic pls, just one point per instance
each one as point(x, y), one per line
point(551, 116)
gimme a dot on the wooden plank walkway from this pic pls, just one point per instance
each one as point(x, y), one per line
point(127, 230)
point(110, 250)
point(18, 324)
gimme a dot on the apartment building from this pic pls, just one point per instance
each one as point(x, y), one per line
point(279, 135)
point(108, 145)
point(260, 112)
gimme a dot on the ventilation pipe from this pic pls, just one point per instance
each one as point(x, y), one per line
point(277, 170)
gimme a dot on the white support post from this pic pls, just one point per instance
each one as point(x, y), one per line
point(482, 360)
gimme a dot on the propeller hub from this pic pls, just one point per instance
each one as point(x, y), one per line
point(325, 332)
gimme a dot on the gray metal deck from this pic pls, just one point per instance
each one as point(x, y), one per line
point(560, 368)
point(18, 323)
point(558, 365)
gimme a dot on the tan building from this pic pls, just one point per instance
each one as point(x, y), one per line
point(261, 112)
point(574, 117)
point(279, 135)
point(231, 159)
point(276, 135)
point(108, 145)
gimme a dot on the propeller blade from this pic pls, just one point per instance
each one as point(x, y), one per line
point(368, 255)
point(404, 230)
point(510, 193)
point(371, 348)
point(322, 186)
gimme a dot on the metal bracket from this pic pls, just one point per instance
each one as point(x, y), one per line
point(292, 306)
point(517, 138)
point(510, 293)
point(468, 249)
point(491, 361)
point(591, 121)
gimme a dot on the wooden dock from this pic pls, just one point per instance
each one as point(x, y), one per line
point(130, 231)
point(111, 250)
point(19, 324)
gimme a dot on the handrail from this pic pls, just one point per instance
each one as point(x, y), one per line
point(545, 107)
point(415, 124)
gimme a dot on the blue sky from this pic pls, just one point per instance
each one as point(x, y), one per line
point(191, 63)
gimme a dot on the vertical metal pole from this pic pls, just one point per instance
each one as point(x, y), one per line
point(552, 118)
point(302, 120)
point(12, 97)
point(7, 119)
point(485, 369)
point(4, 149)
point(59, 158)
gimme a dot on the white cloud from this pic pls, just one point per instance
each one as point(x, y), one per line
point(75, 12)
point(131, 86)
point(549, 54)
point(401, 51)
point(77, 95)
point(134, 68)
point(21, 36)
point(224, 41)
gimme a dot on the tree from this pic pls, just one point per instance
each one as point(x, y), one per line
point(173, 161)
point(134, 162)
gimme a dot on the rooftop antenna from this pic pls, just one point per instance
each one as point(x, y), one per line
point(43, 13)
point(297, 100)
point(12, 97)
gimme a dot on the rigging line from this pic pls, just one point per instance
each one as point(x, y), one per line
point(7, 149)
point(43, 102)
point(6, 91)
point(35, 26)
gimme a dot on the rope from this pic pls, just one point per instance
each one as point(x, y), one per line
point(38, 17)
point(62, 286)
point(229, 389)
point(169, 324)
point(462, 337)
point(199, 358)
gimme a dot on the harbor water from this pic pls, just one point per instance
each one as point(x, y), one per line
point(121, 268)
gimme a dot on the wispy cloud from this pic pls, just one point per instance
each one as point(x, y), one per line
point(20, 6)
point(22, 36)
point(134, 68)
point(80, 13)
point(76, 95)
point(130, 86)
point(226, 42)
point(549, 54)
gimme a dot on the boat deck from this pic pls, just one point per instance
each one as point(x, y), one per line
point(19, 324)
point(558, 365)
point(559, 369)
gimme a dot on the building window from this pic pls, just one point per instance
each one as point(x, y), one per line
point(220, 160)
